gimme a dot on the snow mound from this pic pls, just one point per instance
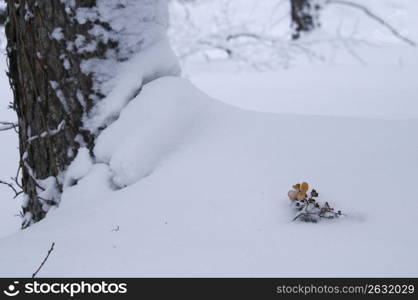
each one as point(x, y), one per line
point(80, 166)
point(155, 61)
point(152, 125)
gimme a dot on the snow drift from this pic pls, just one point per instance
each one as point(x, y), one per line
point(206, 196)
point(152, 126)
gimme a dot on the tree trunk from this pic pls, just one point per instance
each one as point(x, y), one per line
point(305, 16)
point(2, 16)
point(51, 94)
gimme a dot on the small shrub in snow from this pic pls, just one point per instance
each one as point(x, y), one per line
point(308, 209)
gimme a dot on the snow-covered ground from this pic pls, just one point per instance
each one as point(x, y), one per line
point(382, 92)
point(187, 184)
point(213, 200)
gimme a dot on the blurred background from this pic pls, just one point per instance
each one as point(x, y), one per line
point(251, 35)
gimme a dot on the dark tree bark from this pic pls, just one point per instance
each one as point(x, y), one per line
point(305, 16)
point(51, 94)
point(2, 16)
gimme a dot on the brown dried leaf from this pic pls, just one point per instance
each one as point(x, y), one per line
point(300, 196)
point(304, 187)
point(296, 186)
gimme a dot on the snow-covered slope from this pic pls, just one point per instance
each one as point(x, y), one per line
point(186, 185)
point(376, 91)
point(207, 196)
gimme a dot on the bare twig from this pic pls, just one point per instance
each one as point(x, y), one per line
point(241, 35)
point(44, 261)
point(378, 19)
point(11, 186)
point(304, 214)
point(7, 125)
point(16, 178)
point(115, 229)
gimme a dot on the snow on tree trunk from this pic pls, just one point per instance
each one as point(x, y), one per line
point(305, 16)
point(63, 55)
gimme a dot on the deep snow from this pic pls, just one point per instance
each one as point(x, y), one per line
point(187, 185)
point(215, 203)
point(377, 91)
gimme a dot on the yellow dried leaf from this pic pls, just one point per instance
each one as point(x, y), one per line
point(304, 187)
point(296, 186)
point(300, 196)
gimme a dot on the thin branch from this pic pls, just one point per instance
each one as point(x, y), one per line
point(17, 193)
point(233, 36)
point(378, 19)
point(304, 214)
point(7, 125)
point(44, 261)
point(16, 178)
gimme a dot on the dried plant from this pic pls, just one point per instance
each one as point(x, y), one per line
point(308, 209)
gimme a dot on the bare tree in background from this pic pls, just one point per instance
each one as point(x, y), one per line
point(305, 16)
